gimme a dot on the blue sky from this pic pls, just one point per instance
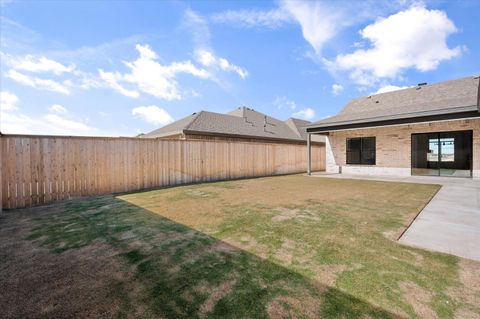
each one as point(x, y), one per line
point(127, 67)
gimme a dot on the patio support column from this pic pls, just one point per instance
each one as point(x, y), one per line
point(309, 154)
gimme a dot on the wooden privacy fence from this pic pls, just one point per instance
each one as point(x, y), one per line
point(43, 169)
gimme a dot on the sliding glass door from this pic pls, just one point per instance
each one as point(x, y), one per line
point(442, 154)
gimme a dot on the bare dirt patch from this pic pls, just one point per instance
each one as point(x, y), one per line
point(217, 248)
point(302, 306)
point(392, 234)
point(277, 311)
point(250, 244)
point(217, 293)
point(469, 289)
point(327, 274)
point(470, 276)
point(286, 252)
point(418, 298)
point(466, 314)
point(418, 257)
point(284, 214)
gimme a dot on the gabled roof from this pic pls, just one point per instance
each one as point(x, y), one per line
point(241, 122)
point(298, 126)
point(174, 128)
point(455, 96)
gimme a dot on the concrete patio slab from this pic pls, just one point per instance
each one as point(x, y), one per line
point(450, 223)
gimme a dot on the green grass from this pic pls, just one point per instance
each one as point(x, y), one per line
point(289, 246)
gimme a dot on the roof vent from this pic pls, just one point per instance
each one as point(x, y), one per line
point(422, 84)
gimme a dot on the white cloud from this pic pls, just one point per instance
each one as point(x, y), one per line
point(66, 124)
point(57, 108)
point(337, 89)
point(250, 18)
point(22, 69)
point(390, 88)
point(414, 38)
point(35, 64)
point(111, 80)
point(306, 114)
point(204, 54)
point(282, 102)
point(319, 21)
point(153, 115)
point(38, 83)
point(4, 3)
point(227, 66)
point(8, 101)
point(208, 59)
point(148, 75)
point(18, 123)
point(13, 121)
point(205, 57)
point(197, 25)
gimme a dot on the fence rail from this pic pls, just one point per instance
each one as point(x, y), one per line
point(43, 169)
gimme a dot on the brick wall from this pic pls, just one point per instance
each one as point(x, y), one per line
point(393, 144)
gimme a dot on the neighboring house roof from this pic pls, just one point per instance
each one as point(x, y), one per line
point(174, 128)
point(241, 122)
point(298, 126)
point(455, 96)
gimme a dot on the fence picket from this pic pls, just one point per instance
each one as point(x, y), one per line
point(42, 169)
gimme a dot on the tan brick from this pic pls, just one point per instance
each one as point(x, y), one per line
point(394, 142)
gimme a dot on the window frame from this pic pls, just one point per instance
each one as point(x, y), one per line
point(361, 152)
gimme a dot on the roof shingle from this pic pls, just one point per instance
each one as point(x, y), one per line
point(242, 122)
point(453, 96)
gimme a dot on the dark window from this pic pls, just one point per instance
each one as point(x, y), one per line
point(361, 150)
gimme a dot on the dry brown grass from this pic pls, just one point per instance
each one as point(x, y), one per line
point(34, 280)
point(419, 299)
point(302, 247)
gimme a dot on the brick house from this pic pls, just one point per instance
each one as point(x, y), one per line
point(429, 130)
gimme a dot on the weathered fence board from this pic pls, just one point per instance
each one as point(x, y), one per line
point(42, 169)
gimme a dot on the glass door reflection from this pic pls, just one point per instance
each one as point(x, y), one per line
point(442, 154)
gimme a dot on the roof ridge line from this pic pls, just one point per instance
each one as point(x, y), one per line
point(294, 129)
point(192, 121)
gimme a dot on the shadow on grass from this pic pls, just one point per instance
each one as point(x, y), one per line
point(180, 272)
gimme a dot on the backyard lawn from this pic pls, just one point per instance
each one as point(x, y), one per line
point(277, 247)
